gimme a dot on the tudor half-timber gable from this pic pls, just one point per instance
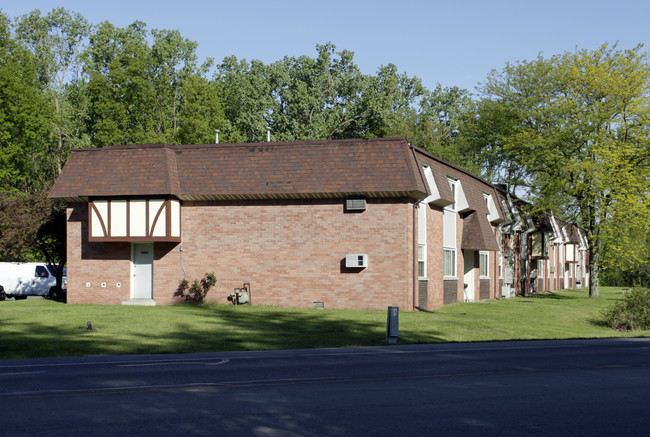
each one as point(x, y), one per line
point(134, 220)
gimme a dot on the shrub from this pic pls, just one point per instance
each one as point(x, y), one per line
point(631, 313)
point(197, 292)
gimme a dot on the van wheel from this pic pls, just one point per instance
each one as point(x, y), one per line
point(3, 296)
point(53, 293)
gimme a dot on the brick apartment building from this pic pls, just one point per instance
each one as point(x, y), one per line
point(359, 224)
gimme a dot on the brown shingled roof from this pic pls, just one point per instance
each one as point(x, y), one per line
point(371, 167)
point(477, 233)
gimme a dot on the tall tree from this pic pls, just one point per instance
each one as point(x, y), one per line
point(136, 89)
point(56, 40)
point(318, 98)
point(25, 118)
point(434, 120)
point(302, 98)
point(122, 95)
point(200, 111)
point(577, 124)
point(248, 99)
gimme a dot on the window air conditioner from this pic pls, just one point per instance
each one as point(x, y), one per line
point(356, 260)
point(355, 204)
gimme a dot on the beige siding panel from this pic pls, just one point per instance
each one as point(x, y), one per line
point(138, 218)
point(118, 218)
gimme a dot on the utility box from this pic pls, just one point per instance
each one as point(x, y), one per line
point(392, 325)
point(508, 276)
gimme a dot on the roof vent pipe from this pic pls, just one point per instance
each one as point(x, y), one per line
point(216, 134)
point(268, 134)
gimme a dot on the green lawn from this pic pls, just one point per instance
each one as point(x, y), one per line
point(42, 328)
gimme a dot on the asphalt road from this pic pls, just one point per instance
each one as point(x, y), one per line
point(573, 388)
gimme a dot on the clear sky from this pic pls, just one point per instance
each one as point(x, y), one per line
point(454, 42)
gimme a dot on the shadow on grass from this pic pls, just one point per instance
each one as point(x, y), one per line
point(276, 328)
point(600, 322)
point(34, 340)
point(554, 296)
point(188, 328)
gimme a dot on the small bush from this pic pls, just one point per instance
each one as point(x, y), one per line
point(632, 313)
point(197, 292)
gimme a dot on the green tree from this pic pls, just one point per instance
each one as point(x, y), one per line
point(200, 111)
point(138, 91)
point(248, 99)
point(25, 118)
point(56, 39)
point(122, 96)
point(434, 121)
point(302, 98)
point(319, 98)
point(577, 125)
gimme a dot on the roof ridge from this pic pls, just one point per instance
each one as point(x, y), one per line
point(287, 143)
point(454, 166)
point(373, 166)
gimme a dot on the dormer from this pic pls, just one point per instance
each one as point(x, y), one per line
point(460, 200)
point(493, 212)
point(435, 198)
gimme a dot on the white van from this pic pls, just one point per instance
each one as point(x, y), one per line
point(20, 280)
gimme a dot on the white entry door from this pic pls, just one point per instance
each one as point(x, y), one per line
point(142, 283)
point(469, 275)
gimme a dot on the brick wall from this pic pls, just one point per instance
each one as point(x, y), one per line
point(440, 291)
point(95, 269)
point(291, 252)
point(435, 260)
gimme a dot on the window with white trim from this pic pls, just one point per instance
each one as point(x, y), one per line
point(422, 239)
point(484, 264)
point(449, 262)
point(500, 255)
point(422, 260)
point(454, 192)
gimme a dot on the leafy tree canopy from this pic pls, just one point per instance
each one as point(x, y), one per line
point(572, 130)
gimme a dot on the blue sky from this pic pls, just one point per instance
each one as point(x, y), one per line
point(454, 43)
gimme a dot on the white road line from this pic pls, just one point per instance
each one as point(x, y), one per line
point(22, 373)
point(175, 363)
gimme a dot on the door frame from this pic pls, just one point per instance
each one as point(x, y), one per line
point(133, 266)
point(469, 275)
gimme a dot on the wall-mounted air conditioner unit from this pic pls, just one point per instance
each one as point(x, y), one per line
point(356, 260)
point(355, 204)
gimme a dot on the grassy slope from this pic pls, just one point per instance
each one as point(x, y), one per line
point(39, 328)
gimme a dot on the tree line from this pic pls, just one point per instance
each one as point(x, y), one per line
point(569, 132)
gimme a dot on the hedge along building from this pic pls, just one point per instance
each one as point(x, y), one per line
point(340, 224)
